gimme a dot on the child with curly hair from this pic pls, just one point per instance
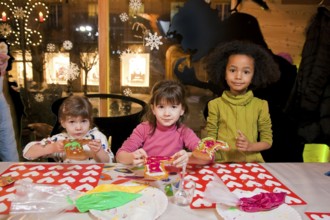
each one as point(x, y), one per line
point(237, 117)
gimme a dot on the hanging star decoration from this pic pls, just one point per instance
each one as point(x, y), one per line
point(19, 13)
point(5, 30)
point(153, 41)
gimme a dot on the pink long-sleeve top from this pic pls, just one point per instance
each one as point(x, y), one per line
point(166, 141)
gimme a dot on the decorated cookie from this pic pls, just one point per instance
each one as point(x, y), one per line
point(155, 167)
point(74, 149)
point(207, 148)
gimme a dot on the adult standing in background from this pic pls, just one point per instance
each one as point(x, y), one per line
point(310, 99)
point(8, 145)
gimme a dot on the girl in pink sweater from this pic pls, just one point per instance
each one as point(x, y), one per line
point(162, 132)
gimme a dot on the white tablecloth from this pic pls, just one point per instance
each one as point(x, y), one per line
point(307, 180)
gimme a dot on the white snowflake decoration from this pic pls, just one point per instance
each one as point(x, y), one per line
point(50, 47)
point(135, 4)
point(127, 92)
point(127, 51)
point(72, 72)
point(123, 17)
point(39, 97)
point(67, 45)
point(153, 40)
point(19, 13)
point(5, 29)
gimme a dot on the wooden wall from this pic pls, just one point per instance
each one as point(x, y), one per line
point(284, 25)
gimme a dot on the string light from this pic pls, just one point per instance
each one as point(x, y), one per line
point(37, 9)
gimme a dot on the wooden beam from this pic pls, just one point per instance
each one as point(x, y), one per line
point(104, 48)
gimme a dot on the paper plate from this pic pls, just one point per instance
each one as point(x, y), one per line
point(149, 206)
point(283, 212)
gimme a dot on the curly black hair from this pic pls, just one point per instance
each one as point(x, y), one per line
point(266, 70)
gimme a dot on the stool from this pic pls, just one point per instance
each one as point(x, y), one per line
point(316, 153)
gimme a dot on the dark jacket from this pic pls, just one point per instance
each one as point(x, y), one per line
point(310, 100)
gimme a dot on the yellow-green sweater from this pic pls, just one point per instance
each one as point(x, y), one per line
point(228, 114)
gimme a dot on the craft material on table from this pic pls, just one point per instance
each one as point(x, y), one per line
point(283, 212)
point(81, 177)
point(251, 177)
point(149, 206)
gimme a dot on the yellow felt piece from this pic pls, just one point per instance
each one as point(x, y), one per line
point(114, 187)
point(316, 153)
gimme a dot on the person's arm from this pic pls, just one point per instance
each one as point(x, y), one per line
point(132, 158)
point(191, 141)
point(212, 120)
point(99, 153)
point(38, 149)
point(243, 144)
point(100, 147)
point(194, 160)
point(129, 152)
point(125, 157)
point(264, 130)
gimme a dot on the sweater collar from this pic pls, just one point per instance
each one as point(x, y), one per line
point(238, 99)
point(165, 128)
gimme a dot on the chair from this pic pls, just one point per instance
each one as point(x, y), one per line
point(37, 119)
point(118, 126)
point(316, 153)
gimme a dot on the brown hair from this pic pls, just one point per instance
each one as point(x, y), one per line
point(167, 91)
point(76, 106)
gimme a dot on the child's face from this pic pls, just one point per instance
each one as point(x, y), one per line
point(167, 114)
point(239, 73)
point(76, 127)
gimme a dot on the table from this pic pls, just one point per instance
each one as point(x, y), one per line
point(307, 180)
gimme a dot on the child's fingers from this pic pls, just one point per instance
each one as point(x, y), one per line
point(181, 158)
point(138, 162)
point(140, 154)
point(240, 134)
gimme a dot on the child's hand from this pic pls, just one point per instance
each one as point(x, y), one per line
point(242, 142)
point(95, 145)
point(138, 157)
point(57, 146)
point(180, 158)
